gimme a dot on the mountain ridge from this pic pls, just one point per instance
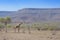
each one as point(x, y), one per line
point(34, 14)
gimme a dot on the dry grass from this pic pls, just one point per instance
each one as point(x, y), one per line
point(35, 35)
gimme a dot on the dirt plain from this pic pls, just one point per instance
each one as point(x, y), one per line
point(34, 35)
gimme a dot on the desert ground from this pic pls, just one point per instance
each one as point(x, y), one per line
point(34, 35)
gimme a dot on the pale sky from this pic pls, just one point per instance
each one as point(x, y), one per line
point(13, 5)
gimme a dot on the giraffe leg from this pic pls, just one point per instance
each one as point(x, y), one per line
point(18, 29)
point(14, 29)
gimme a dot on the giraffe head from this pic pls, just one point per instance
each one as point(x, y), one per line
point(21, 23)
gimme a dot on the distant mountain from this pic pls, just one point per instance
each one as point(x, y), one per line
point(33, 14)
point(7, 13)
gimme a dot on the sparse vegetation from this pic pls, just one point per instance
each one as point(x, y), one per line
point(30, 28)
point(5, 21)
point(34, 26)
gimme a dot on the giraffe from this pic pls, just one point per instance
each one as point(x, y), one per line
point(18, 26)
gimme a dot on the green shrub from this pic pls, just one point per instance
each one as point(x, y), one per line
point(8, 26)
point(1, 26)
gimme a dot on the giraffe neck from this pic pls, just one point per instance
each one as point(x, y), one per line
point(20, 24)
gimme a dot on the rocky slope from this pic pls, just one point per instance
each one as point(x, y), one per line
point(33, 14)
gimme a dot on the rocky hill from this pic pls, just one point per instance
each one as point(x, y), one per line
point(33, 14)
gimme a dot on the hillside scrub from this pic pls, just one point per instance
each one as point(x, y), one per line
point(46, 26)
